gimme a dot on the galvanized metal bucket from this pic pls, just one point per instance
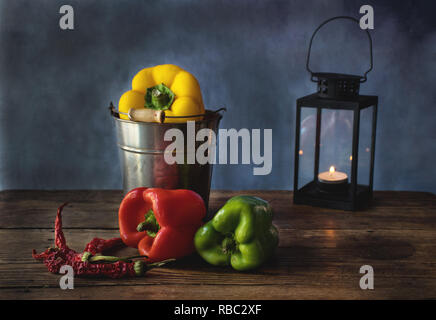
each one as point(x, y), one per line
point(142, 148)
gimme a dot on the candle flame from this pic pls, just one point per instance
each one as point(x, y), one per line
point(300, 152)
point(332, 170)
point(351, 158)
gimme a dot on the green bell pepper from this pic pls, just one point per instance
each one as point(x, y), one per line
point(241, 234)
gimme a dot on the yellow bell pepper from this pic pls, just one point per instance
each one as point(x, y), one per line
point(164, 87)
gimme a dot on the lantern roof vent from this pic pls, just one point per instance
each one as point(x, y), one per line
point(337, 85)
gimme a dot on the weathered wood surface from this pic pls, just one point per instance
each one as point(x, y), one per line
point(320, 253)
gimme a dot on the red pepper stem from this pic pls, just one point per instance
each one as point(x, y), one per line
point(100, 258)
point(140, 267)
point(159, 263)
point(150, 224)
point(126, 259)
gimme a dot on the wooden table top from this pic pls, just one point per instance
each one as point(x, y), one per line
point(319, 256)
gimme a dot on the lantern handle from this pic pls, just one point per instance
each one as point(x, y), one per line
point(363, 78)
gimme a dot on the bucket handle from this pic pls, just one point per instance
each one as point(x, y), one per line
point(116, 114)
point(198, 115)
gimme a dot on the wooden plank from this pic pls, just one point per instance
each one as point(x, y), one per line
point(99, 209)
point(320, 252)
point(309, 264)
point(37, 209)
point(378, 245)
point(288, 270)
point(381, 198)
point(165, 291)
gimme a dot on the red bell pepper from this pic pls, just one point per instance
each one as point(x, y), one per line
point(161, 223)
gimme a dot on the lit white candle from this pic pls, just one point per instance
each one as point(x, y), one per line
point(333, 177)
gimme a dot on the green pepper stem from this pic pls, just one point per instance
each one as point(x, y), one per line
point(229, 245)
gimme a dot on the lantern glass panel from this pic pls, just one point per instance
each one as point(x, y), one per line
point(364, 159)
point(306, 153)
point(336, 140)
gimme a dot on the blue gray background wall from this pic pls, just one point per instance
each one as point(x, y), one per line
point(249, 56)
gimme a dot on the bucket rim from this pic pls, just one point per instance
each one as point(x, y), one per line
point(211, 115)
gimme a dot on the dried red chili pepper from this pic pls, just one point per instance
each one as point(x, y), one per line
point(101, 245)
point(84, 264)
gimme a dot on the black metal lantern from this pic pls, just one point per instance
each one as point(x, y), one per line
point(335, 140)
